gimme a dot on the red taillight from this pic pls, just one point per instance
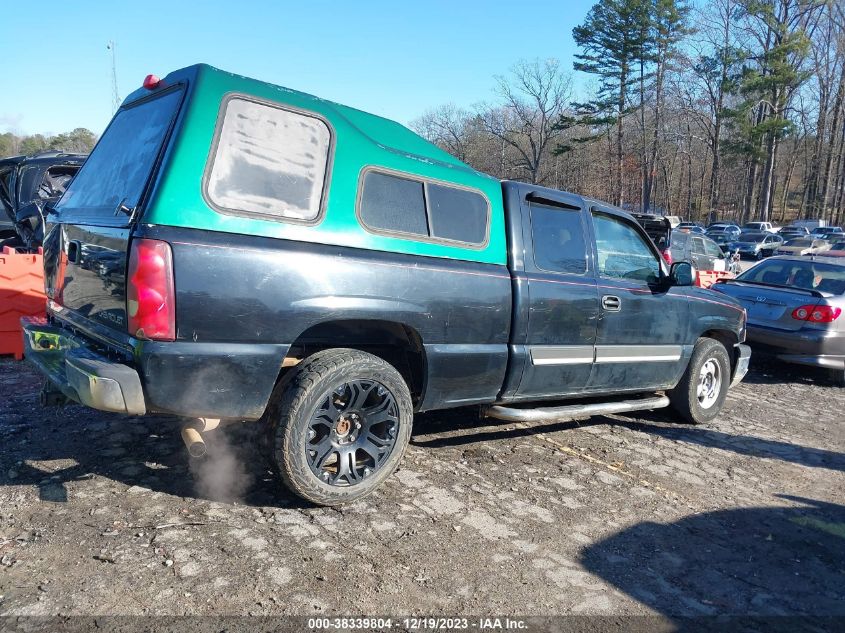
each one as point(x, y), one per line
point(150, 296)
point(151, 82)
point(667, 255)
point(816, 314)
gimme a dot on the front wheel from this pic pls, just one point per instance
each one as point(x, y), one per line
point(340, 425)
point(760, 255)
point(702, 391)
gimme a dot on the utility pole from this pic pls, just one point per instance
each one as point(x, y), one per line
point(115, 97)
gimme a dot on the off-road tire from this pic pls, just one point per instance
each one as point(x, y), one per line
point(297, 399)
point(684, 397)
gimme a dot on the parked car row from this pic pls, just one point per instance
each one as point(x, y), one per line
point(794, 298)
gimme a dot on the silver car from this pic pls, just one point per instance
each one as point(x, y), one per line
point(756, 244)
point(795, 307)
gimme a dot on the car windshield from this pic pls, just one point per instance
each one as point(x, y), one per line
point(809, 275)
point(752, 237)
point(799, 242)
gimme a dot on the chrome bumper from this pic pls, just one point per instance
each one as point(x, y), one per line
point(80, 373)
point(742, 360)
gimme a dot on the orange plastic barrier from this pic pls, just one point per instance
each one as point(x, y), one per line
point(706, 278)
point(21, 294)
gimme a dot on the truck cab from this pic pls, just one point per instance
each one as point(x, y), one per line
point(233, 251)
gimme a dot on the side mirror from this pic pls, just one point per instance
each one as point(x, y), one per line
point(682, 274)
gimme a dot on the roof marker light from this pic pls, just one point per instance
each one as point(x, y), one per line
point(151, 82)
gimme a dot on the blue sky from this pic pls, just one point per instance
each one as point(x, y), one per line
point(396, 59)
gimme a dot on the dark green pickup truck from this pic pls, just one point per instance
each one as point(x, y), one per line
point(233, 250)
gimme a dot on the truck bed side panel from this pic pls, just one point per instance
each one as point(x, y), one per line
point(258, 291)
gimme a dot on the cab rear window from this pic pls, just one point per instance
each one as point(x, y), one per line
point(269, 162)
point(113, 179)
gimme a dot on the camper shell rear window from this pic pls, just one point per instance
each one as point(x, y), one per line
point(112, 181)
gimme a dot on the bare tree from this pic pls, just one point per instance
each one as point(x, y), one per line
point(533, 97)
point(447, 126)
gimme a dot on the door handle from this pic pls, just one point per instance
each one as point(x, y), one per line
point(611, 303)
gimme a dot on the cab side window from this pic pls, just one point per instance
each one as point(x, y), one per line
point(558, 237)
point(621, 252)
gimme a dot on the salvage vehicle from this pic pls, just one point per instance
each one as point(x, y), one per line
point(795, 309)
point(707, 256)
point(756, 245)
point(28, 184)
point(837, 249)
point(690, 227)
point(791, 231)
point(833, 234)
point(803, 246)
point(764, 227)
point(824, 232)
point(234, 250)
point(727, 230)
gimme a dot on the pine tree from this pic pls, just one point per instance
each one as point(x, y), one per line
point(613, 40)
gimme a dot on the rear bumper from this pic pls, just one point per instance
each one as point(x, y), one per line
point(78, 372)
point(743, 358)
point(818, 348)
point(214, 380)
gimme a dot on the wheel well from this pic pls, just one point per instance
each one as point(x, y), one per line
point(397, 343)
point(726, 338)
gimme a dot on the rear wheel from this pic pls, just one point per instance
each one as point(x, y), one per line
point(838, 377)
point(340, 425)
point(701, 393)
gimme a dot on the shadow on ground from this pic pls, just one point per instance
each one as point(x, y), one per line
point(768, 370)
point(144, 452)
point(740, 444)
point(793, 559)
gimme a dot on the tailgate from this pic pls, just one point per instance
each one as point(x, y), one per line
point(86, 248)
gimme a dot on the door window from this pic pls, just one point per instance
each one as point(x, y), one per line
point(697, 246)
point(622, 252)
point(712, 249)
point(558, 239)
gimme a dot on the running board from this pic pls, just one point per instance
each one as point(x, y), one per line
point(573, 411)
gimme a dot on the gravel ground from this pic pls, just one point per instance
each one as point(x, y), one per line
point(627, 514)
